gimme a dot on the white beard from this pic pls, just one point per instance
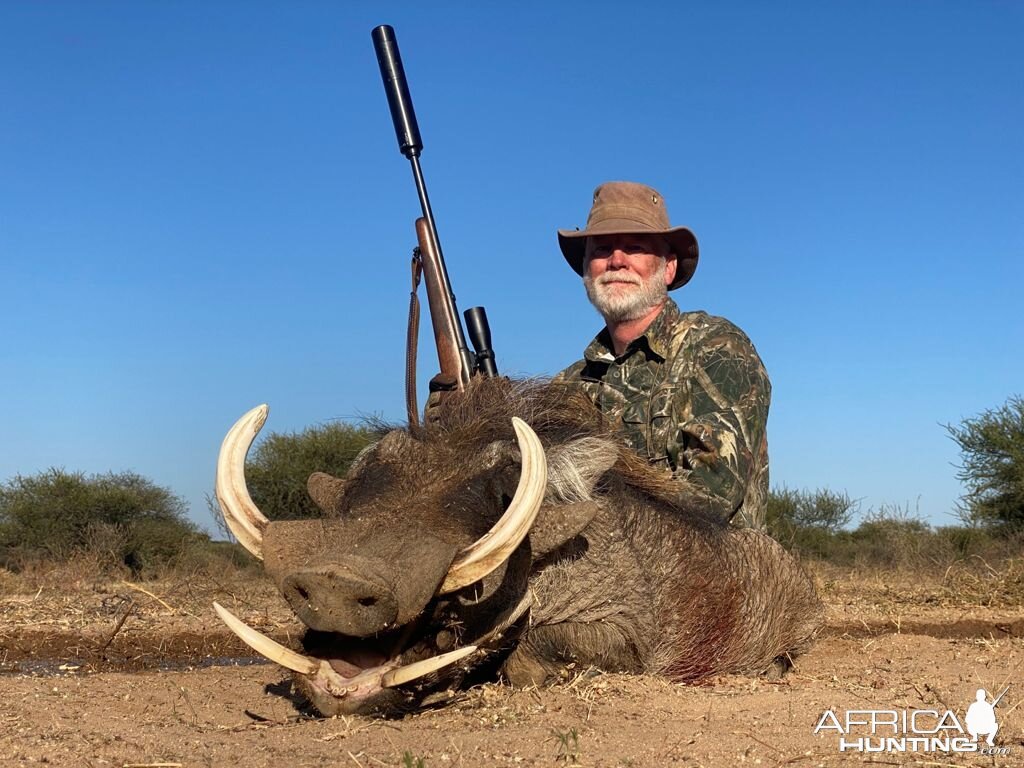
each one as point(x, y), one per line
point(617, 302)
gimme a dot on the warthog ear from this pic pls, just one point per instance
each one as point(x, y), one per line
point(326, 491)
point(575, 468)
point(573, 471)
point(558, 523)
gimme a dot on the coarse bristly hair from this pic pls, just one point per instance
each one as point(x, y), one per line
point(560, 414)
point(751, 596)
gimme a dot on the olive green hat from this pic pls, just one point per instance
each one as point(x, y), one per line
point(625, 207)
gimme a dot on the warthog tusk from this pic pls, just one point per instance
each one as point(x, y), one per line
point(335, 683)
point(494, 547)
point(242, 516)
point(507, 618)
point(262, 644)
point(420, 668)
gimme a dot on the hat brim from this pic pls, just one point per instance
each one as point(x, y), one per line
point(682, 242)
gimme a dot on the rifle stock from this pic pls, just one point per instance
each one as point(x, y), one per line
point(447, 329)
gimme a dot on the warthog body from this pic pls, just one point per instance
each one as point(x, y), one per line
point(619, 571)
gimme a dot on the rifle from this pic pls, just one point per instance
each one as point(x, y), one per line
point(458, 365)
point(1000, 697)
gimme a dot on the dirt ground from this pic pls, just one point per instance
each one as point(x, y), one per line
point(99, 673)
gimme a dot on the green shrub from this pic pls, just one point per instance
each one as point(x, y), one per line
point(816, 524)
point(966, 541)
point(124, 518)
point(807, 521)
point(890, 536)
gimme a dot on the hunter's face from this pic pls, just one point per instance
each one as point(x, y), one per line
point(626, 275)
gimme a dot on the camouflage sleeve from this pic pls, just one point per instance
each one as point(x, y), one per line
point(720, 439)
point(571, 374)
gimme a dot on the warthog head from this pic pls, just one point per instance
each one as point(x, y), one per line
point(422, 562)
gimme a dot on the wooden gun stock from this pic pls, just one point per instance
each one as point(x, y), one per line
point(452, 355)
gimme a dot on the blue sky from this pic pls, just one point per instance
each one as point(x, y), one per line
point(204, 209)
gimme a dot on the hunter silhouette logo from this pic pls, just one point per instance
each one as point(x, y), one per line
point(981, 716)
point(917, 730)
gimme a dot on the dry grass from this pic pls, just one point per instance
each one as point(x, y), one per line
point(79, 595)
point(959, 585)
point(976, 581)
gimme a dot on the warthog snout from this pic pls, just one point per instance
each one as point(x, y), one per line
point(349, 599)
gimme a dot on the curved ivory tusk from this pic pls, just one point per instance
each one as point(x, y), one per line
point(494, 547)
point(507, 618)
point(420, 668)
point(242, 516)
point(336, 684)
point(262, 644)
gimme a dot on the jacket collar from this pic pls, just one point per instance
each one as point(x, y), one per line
point(654, 341)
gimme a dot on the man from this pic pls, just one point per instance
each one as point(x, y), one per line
point(688, 388)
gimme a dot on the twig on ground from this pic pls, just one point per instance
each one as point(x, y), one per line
point(147, 592)
point(117, 627)
point(795, 758)
point(762, 743)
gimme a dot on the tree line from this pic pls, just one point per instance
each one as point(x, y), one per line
point(128, 521)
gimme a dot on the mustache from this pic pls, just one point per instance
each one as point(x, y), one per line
point(614, 277)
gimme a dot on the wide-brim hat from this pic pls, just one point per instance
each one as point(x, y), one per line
point(626, 208)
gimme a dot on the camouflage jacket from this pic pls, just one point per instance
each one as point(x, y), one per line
point(692, 395)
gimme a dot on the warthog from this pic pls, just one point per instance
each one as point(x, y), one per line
point(514, 535)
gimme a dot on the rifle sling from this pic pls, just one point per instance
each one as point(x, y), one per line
point(412, 336)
